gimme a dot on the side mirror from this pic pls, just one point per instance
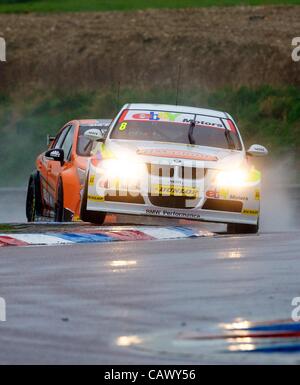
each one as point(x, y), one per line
point(257, 150)
point(95, 134)
point(50, 140)
point(57, 155)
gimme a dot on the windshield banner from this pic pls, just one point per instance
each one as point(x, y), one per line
point(171, 117)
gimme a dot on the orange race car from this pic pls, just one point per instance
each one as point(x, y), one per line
point(55, 187)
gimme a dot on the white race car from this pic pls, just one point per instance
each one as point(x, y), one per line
point(177, 162)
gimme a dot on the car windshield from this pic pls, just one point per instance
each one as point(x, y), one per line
point(86, 146)
point(165, 126)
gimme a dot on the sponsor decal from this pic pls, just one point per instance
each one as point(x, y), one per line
point(224, 194)
point(258, 149)
point(205, 123)
point(94, 133)
point(238, 197)
point(172, 117)
point(169, 213)
point(123, 126)
point(175, 191)
point(95, 198)
point(141, 116)
point(164, 153)
point(217, 194)
point(250, 212)
point(164, 116)
point(92, 180)
point(257, 195)
point(180, 215)
point(55, 154)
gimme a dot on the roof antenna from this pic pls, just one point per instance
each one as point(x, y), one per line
point(178, 83)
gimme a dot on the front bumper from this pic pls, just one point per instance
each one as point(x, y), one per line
point(200, 201)
point(191, 214)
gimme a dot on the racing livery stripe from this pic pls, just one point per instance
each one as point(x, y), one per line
point(122, 117)
point(231, 125)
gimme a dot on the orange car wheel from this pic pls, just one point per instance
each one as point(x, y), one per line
point(33, 199)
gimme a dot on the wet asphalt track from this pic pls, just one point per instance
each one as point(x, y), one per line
point(125, 303)
point(71, 304)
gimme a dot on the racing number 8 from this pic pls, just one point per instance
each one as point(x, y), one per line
point(123, 126)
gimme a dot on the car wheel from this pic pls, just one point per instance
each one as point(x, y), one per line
point(237, 228)
point(94, 217)
point(33, 199)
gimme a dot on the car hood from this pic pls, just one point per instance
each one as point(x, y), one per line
point(173, 153)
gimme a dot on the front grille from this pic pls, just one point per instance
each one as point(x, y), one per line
point(223, 205)
point(175, 202)
point(125, 199)
point(159, 170)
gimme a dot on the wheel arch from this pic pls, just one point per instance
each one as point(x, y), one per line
point(70, 193)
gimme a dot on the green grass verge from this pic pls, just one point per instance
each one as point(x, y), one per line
point(266, 115)
point(10, 228)
point(122, 5)
point(5, 228)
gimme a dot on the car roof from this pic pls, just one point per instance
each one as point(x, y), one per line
point(174, 108)
point(100, 122)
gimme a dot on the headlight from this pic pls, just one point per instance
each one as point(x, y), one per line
point(123, 169)
point(234, 178)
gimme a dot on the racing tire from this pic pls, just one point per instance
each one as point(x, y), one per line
point(61, 214)
point(95, 217)
point(237, 228)
point(34, 198)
